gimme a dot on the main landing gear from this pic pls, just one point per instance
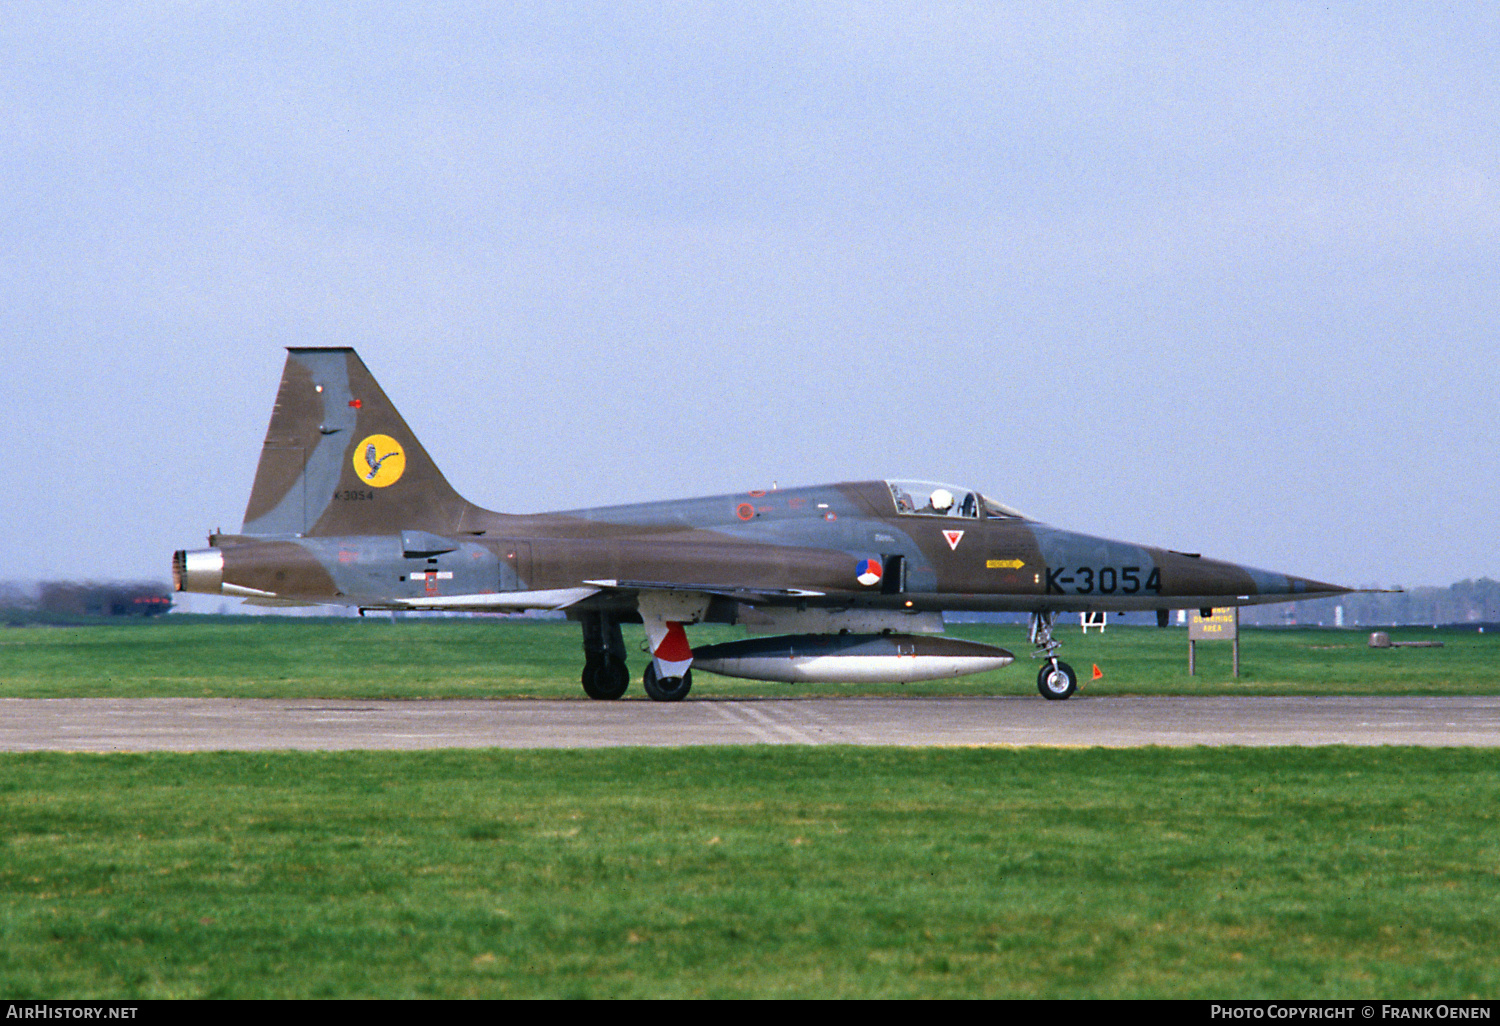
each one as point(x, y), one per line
point(666, 689)
point(605, 674)
point(1056, 680)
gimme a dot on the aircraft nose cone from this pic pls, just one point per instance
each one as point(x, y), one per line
point(1272, 583)
point(1306, 586)
point(1194, 575)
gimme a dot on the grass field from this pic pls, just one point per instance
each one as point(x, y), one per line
point(727, 872)
point(789, 872)
point(374, 658)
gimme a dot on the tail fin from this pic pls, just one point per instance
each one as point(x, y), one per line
point(339, 459)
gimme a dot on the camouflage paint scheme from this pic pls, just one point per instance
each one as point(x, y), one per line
point(347, 507)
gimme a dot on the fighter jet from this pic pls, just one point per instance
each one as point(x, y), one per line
point(848, 582)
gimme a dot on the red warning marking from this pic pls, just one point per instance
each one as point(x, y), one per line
point(745, 511)
point(1098, 673)
point(674, 648)
point(356, 403)
point(758, 493)
point(953, 538)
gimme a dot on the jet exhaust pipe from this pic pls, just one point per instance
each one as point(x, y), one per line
point(259, 570)
point(199, 571)
point(849, 658)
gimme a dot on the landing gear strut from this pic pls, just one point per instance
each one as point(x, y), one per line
point(605, 674)
point(664, 614)
point(1056, 681)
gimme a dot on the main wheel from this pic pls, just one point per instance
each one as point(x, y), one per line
point(605, 679)
point(666, 689)
point(1056, 681)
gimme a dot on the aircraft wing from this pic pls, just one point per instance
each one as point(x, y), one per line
point(494, 602)
point(562, 598)
point(751, 595)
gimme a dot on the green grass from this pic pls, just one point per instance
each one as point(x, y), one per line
point(374, 658)
point(826, 872)
point(786, 872)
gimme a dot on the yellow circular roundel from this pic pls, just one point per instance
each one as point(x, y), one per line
point(379, 460)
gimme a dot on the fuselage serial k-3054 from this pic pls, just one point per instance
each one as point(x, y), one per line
point(849, 581)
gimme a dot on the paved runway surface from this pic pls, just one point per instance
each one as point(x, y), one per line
point(191, 724)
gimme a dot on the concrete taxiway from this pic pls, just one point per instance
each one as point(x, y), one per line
point(220, 724)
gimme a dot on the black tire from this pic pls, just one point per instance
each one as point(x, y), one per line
point(666, 689)
point(605, 680)
point(1056, 681)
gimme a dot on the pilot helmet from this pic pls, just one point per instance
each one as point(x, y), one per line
point(942, 498)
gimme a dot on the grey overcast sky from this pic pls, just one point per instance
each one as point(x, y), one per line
point(1221, 277)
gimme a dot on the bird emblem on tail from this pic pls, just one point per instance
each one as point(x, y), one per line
point(375, 461)
point(384, 460)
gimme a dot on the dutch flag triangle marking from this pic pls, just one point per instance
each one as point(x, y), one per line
point(953, 538)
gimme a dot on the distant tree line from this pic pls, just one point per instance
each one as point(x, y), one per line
point(1474, 603)
point(1467, 602)
point(70, 601)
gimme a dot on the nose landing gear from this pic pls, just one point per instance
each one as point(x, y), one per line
point(1056, 680)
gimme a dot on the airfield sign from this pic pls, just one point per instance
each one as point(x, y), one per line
point(1219, 625)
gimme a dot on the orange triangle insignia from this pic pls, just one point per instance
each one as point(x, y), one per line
point(954, 537)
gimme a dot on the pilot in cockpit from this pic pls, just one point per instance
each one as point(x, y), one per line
point(940, 501)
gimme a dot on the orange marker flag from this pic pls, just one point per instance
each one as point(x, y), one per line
point(1098, 673)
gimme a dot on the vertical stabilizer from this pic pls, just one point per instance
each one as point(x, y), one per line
point(339, 459)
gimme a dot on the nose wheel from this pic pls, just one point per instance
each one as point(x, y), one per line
point(1056, 681)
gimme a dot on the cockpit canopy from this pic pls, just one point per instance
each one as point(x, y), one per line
point(932, 499)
